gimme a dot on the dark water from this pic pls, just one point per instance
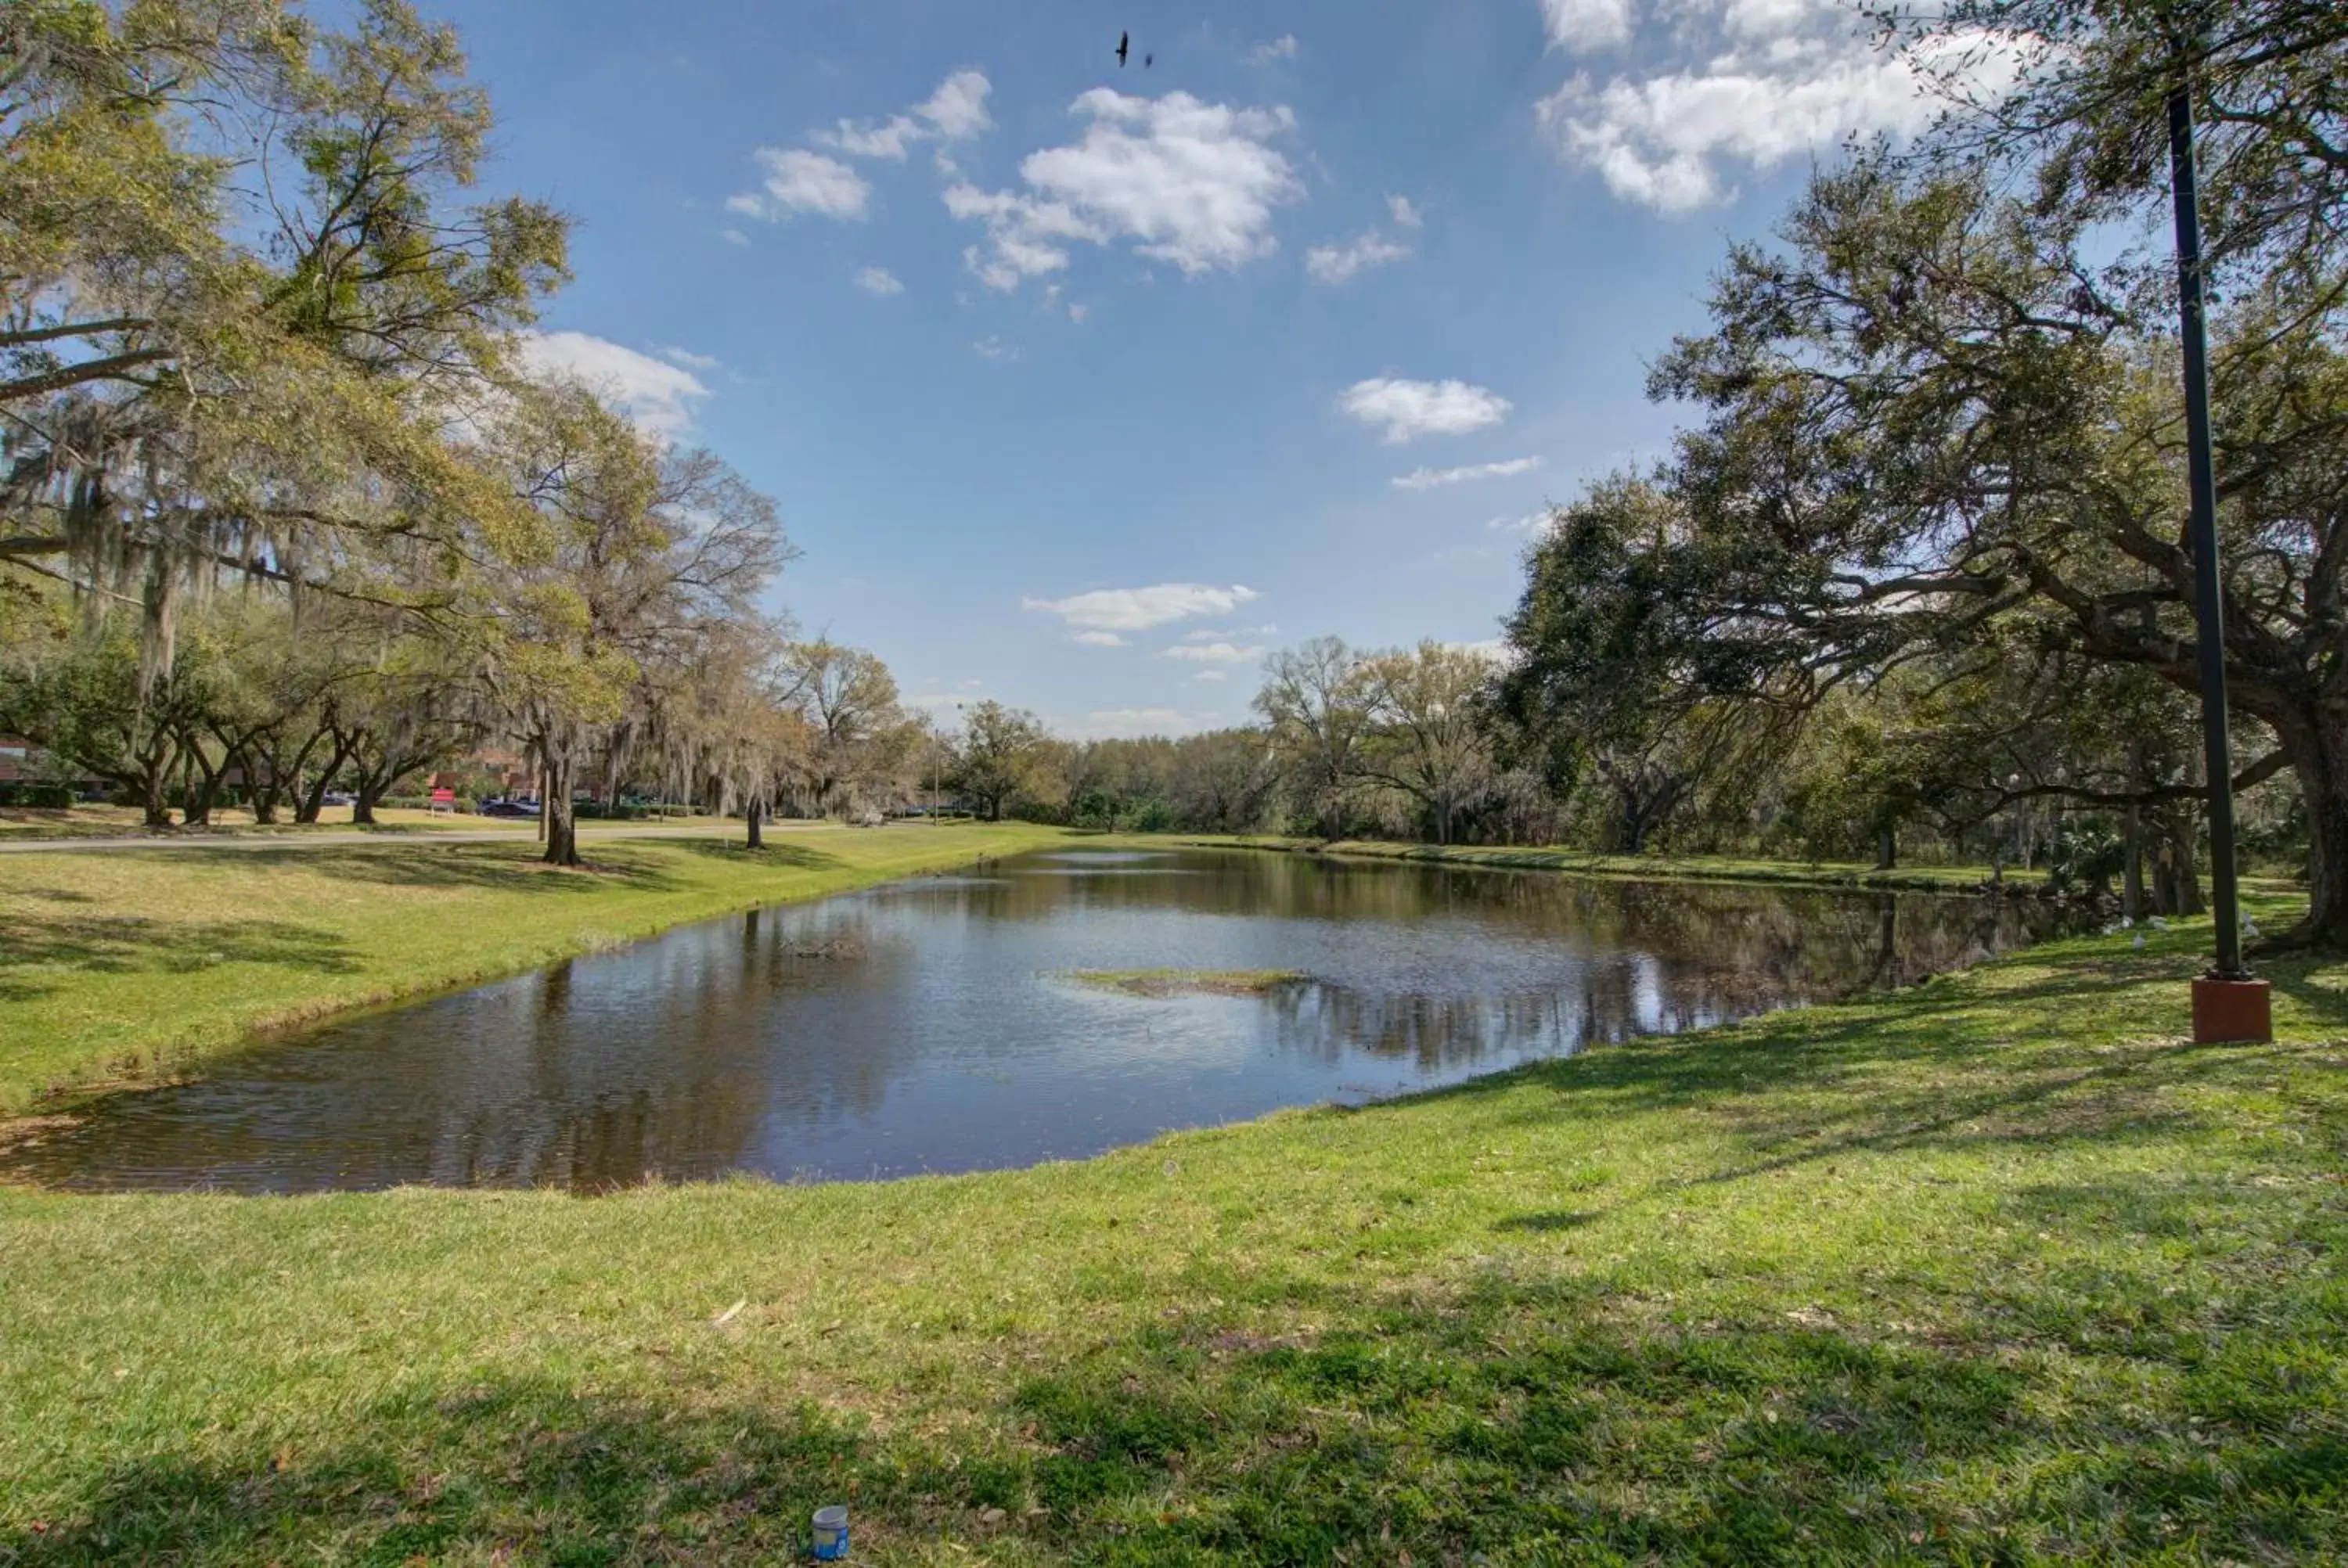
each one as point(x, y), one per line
point(927, 1025)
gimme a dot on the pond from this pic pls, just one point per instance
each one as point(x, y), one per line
point(948, 1023)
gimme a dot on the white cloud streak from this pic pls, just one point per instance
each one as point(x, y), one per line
point(1097, 639)
point(1211, 652)
point(1139, 608)
point(1194, 184)
point(658, 397)
point(1404, 214)
point(1281, 48)
point(1102, 723)
point(1334, 264)
point(878, 280)
point(1739, 84)
point(799, 181)
point(1430, 479)
point(1530, 523)
point(956, 112)
point(1579, 25)
point(1410, 409)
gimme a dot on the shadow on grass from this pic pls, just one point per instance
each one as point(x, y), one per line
point(1508, 1422)
point(133, 945)
point(778, 854)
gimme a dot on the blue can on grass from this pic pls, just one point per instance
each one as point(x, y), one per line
point(831, 1534)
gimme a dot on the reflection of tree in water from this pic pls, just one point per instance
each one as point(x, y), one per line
point(676, 1072)
point(1826, 941)
point(1664, 958)
point(661, 1061)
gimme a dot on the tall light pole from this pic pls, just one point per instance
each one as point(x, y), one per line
point(2228, 1004)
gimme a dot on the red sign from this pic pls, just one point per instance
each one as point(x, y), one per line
point(443, 796)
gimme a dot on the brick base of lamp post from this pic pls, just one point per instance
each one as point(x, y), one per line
point(2233, 1012)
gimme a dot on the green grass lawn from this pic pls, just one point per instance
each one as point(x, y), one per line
point(1992, 1270)
point(119, 964)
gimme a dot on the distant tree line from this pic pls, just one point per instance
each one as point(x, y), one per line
point(283, 510)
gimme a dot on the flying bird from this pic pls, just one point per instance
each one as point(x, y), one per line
point(1123, 41)
point(1147, 61)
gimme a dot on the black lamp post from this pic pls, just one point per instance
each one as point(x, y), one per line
point(2228, 1003)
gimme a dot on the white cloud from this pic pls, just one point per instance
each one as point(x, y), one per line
point(1212, 653)
point(1097, 639)
point(1410, 409)
point(657, 397)
point(1334, 264)
point(993, 347)
point(1139, 608)
point(1749, 84)
point(1407, 215)
point(690, 360)
point(1428, 478)
point(1104, 722)
point(1587, 24)
point(1077, 314)
point(878, 280)
point(956, 112)
point(1530, 523)
point(1213, 675)
point(798, 181)
point(734, 236)
point(1192, 183)
point(1492, 648)
point(1226, 634)
point(1281, 48)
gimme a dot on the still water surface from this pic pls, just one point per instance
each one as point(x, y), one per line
point(930, 1025)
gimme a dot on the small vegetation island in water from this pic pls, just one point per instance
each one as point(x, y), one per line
point(418, 638)
point(1187, 982)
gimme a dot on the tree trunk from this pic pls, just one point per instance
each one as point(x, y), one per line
point(2321, 764)
point(554, 811)
point(363, 800)
point(263, 796)
point(199, 786)
point(2132, 865)
point(752, 814)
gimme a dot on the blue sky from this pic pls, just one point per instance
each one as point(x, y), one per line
point(1078, 385)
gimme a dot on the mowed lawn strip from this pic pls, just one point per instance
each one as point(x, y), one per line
point(121, 964)
point(1995, 1269)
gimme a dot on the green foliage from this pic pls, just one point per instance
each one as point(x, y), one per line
point(1001, 758)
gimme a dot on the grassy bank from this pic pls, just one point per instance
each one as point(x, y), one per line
point(1675, 867)
point(121, 964)
point(27, 823)
point(1995, 1269)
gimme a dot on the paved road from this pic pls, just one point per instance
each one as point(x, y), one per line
point(524, 833)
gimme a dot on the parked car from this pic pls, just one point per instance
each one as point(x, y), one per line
point(338, 797)
point(509, 808)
